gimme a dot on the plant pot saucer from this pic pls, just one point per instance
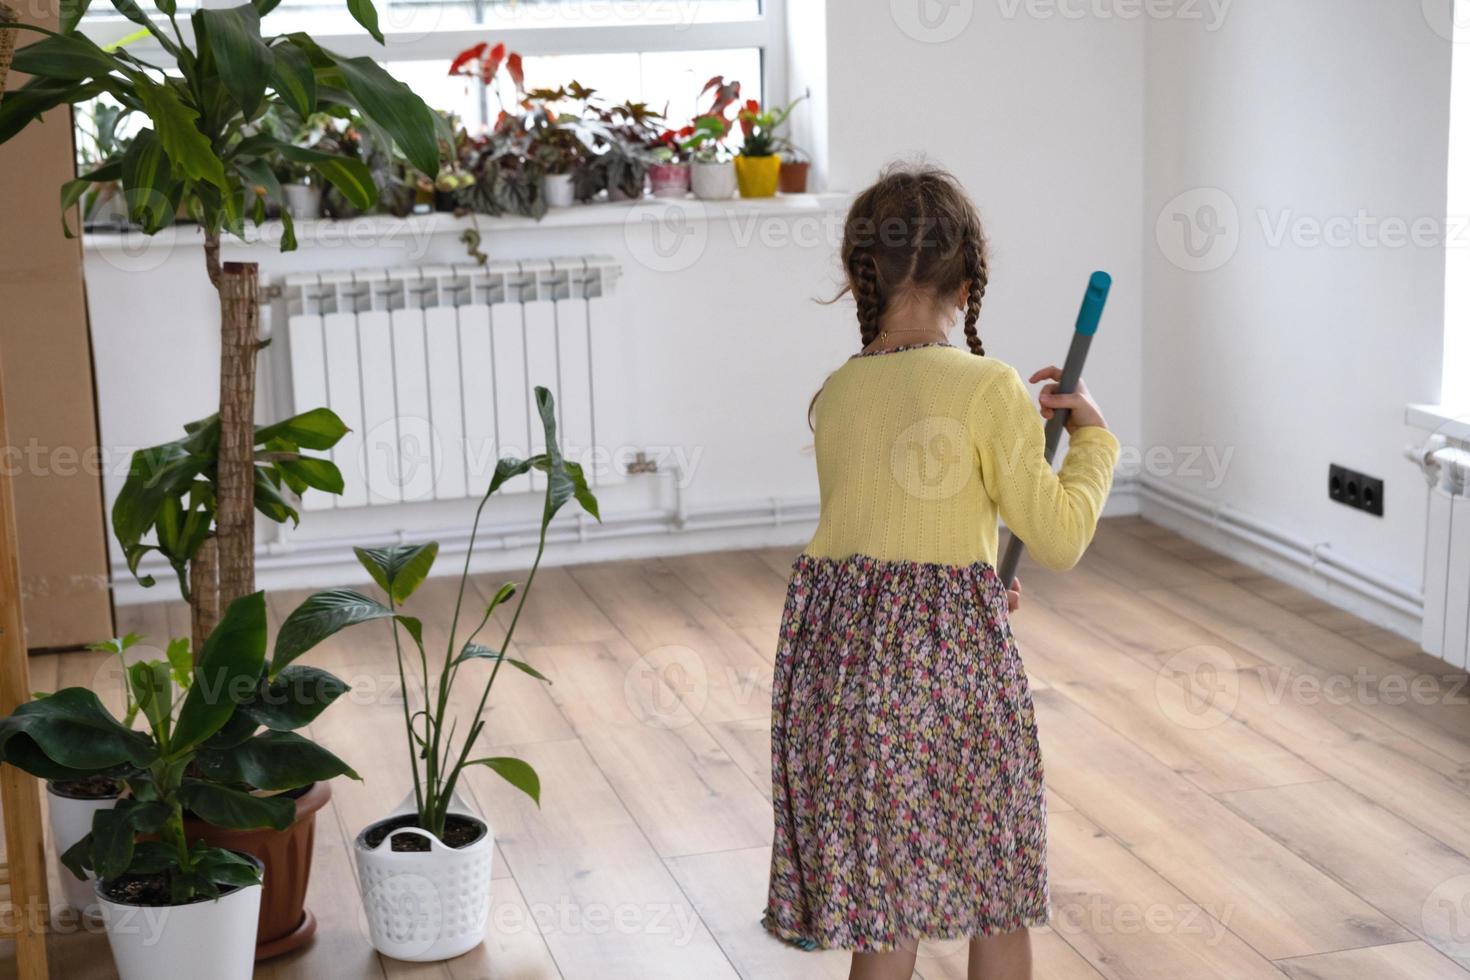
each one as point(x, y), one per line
point(292, 940)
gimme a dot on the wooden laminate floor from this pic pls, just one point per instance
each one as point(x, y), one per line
point(1243, 782)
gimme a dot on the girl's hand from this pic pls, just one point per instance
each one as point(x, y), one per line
point(1085, 412)
point(1013, 596)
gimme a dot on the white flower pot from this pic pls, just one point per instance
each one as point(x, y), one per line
point(71, 820)
point(429, 905)
point(558, 190)
point(216, 937)
point(713, 181)
point(303, 201)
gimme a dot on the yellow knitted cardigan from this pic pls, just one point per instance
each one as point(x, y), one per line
point(920, 449)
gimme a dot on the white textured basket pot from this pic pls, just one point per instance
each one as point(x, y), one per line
point(71, 820)
point(558, 190)
point(214, 938)
point(425, 905)
point(713, 181)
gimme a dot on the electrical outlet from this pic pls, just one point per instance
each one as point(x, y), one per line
point(1352, 488)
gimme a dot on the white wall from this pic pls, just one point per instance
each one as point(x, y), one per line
point(1297, 353)
point(1041, 117)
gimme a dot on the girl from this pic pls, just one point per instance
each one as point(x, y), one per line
point(907, 783)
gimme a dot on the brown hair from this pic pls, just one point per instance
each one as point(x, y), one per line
point(915, 229)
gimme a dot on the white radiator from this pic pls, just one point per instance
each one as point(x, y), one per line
point(1447, 558)
point(433, 370)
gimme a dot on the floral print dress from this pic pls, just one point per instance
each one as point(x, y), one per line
point(907, 783)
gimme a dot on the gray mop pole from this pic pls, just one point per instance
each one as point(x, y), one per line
point(1087, 321)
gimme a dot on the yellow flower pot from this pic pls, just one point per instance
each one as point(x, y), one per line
point(758, 176)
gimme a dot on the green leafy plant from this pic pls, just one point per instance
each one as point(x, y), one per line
point(205, 147)
point(704, 138)
point(215, 733)
point(437, 761)
point(762, 125)
point(170, 495)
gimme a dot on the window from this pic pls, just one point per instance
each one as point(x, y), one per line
point(1457, 239)
point(655, 51)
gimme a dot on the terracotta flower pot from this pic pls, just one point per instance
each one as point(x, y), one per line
point(758, 176)
point(793, 176)
point(285, 921)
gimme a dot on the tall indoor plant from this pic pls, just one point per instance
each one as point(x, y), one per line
point(425, 869)
point(202, 751)
point(204, 151)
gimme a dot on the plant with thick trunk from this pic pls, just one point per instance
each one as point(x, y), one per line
point(206, 153)
point(216, 732)
point(437, 762)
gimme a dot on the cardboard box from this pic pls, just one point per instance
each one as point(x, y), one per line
point(46, 380)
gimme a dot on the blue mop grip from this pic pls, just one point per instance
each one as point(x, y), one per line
point(1088, 319)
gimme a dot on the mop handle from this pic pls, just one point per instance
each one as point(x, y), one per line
point(1087, 321)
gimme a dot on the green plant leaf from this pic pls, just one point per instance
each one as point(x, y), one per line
point(264, 7)
point(293, 78)
point(115, 831)
point(72, 12)
point(273, 761)
point(73, 729)
point(319, 429)
point(366, 14)
point(319, 617)
point(294, 697)
point(392, 105)
point(318, 474)
point(134, 13)
point(66, 58)
point(229, 667)
point(72, 190)
point(399, 569)
point(564, 480)
point(246, 66)
point(476, 651)
point(152, 691)
point(514, 771)
point(146, 175)
point(349, 175)
point(26, 104)
point(222, 867)
point(180, 661)
point(186, 146)
point(235, 809)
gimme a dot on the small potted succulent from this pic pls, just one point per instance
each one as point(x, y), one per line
point(425, 868)
point(668, 174)
point(167, 897)
point(758, 167)
point(711, 174)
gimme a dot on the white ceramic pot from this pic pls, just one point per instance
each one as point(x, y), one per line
point(152, 943)
point(71, 820)
point(303, 201)
point(558, 190)
point(429, 905)
point(713, 181)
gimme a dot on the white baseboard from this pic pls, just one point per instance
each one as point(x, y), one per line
point(1374, 598)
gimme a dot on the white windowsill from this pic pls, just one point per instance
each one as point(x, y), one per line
point(602, 214)
point(1453, 425)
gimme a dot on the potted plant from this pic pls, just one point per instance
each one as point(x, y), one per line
point(168, 898)
point(758, 167)
point(668, 174)
point(795, 168)
point(555, 141)
point(167, 505)
point(712, 176)
point(425, 868)
point(99, 138)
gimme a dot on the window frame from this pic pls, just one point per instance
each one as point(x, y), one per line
point(765, 32)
